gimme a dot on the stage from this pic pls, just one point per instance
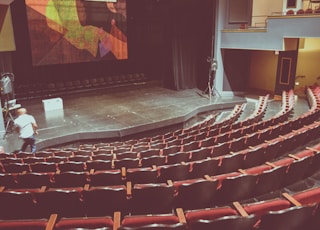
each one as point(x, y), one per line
point(117, 114)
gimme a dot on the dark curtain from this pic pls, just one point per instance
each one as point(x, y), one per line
point(192, 29)
point(171, 40)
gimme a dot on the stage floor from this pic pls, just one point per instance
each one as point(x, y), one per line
point(119, 113)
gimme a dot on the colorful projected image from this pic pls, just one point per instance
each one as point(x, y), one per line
point(73, 31)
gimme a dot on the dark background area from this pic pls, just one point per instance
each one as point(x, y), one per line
point(168, 40)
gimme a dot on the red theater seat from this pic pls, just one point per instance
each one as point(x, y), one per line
point(197, 193)
point(105, 200)
point(226, 222)
point(152, 198)
point(209, 214)
point(34, 224)
point(204, 167)
point(64, 202)
point(308, 196)
point(261, 207)
point(236, 188)
point(106, 177)
point(293, 218)
point(142, 220)
point(142, 175)
point(103, 222)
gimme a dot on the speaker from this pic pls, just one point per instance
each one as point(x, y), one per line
point(6, 85)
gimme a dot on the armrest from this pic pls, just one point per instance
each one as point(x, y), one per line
point(207, 177)
point(86, 187)
point(313, 149)
point(43, 188)
point(294, 157)
point(123, 172)
point(291, 199)
point(129, 189)
point(240, 209)
point(116, 220)
point(181, 216)
point(270, 164)
point(52, 221)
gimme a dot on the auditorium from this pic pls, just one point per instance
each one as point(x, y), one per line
point(160, 114)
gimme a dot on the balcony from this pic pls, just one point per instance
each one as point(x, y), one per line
point(271, 36)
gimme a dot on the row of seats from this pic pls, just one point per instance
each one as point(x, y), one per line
point(177, 172)
point(180, 167)
point(246, 135)
point(301, 12)
point(258, 112)
point(57, 88)
point(196, 149)
point(287, 212)
point(161, 197)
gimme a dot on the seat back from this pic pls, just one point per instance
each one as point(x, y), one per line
point(153, 160)
point(17, 205)
point(176, 158)
point(230, 163)
point(293, 218)
point(270, 180)
point(16, 167)
point(105, 200)
point(70, 179)
point(236, 188)
point(127, 163)
point(174, 172)
point(202, 193)
point(7, 180)
point(204, 167)
point(43, 167)
point(33, 180)
point(226, 222)
point(99, 165)
point(71, 166)
point(209, 214)
point(64, 202)
point(152, 198)
point(142, 175)
point(106, 177)
point(297, 171)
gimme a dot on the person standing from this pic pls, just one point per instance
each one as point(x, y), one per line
point(27, 127)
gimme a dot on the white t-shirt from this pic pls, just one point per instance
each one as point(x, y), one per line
point(24, 122)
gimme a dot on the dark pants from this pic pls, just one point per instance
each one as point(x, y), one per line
point(29, 141)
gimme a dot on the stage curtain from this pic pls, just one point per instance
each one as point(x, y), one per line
point(191, 41)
